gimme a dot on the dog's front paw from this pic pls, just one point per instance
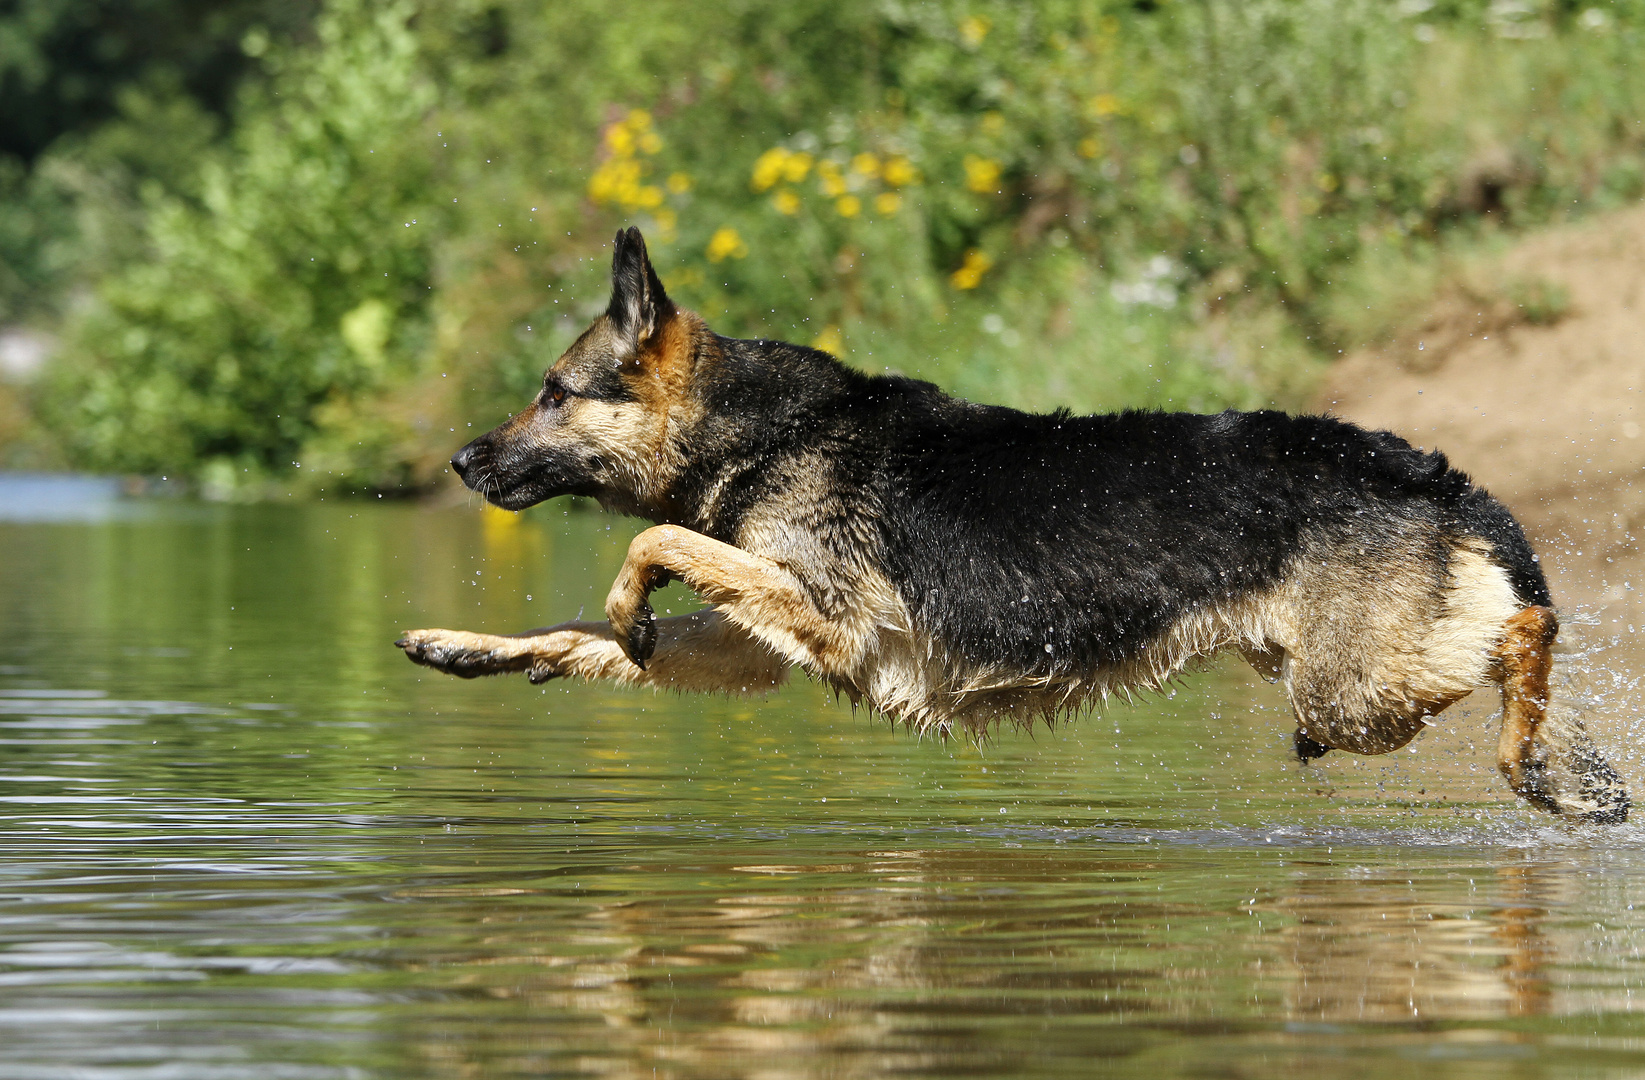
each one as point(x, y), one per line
point(628, 610)
point(460, 653)
point(1308, 749)
point(634, 625)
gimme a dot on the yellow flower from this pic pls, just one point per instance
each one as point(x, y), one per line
point(1089, 148)
point(679, 183)
point(618, 177)
point(866, 165)
point(970, 273)
point(830, 340)
point(982, 174)
point(1105, 105)
point(887, 202)
point(786, 202)
point(619, 140)
point(797, 165)
point(973, 28)
point(649, 196)
point(616, 180)
point(1326, 182)
point(726, 242)
point(848, 205)
point(666, 220)
point(768, 169)
point(900, 172)
point(830, 179)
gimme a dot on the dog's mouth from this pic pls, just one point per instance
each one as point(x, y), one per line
point(511, 499)
point(505, 483)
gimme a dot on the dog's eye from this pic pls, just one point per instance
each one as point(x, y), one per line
point(556, 393)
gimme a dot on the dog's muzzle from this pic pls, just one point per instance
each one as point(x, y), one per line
point(471, 459)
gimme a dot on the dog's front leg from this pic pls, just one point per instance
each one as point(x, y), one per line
point(754, 592)
point(698, 652)
point(469, 655)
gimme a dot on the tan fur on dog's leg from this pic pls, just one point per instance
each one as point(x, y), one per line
point(1527, 663)
point(753, 592)
point(696, 652)
point(1551, 764)
point(466, 654)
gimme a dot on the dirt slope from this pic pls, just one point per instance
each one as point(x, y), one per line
point(1549, 418)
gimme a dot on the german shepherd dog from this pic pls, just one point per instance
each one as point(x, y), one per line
point(954, 565)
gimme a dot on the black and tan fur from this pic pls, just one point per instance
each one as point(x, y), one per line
point(952, 564)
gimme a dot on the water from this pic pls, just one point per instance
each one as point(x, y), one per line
point(241, 837)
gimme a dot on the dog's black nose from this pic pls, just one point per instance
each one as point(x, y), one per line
point(464, 459)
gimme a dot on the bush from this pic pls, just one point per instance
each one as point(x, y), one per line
point(1076, 202)
point(296, 283)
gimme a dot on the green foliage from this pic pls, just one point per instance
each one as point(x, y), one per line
point(65, 63)
point(297, 280)
point(1263, 144)
point(34, 219)
point(1089, 203)
point(101, 96)
point(80, 208)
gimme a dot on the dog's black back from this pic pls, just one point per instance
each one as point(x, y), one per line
point(1049, 542)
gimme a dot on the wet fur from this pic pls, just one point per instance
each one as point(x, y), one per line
point(955, 565)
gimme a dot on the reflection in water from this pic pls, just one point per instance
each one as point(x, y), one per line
point(1381, 949)
point(1527, 949)
point(240, 836)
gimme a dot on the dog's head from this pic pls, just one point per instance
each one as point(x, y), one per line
point(603, 421)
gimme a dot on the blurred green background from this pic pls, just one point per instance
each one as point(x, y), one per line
point(291, 246)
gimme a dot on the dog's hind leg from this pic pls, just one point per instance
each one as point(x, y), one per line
point(698, 652)
point(1548, 760)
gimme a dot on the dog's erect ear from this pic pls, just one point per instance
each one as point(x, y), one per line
point(639, 307)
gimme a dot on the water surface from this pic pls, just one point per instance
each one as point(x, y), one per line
point(241, 837)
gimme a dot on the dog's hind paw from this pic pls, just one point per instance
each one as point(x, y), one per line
point(464, 654)
point(1597, 795)
point(1580, 787)
point(539, 673)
